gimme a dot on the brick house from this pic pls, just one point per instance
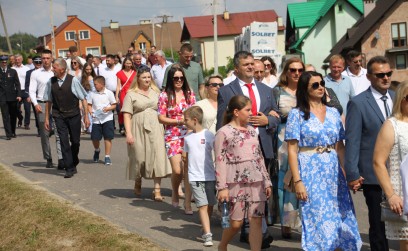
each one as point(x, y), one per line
point(383, 31)
point(74, 31)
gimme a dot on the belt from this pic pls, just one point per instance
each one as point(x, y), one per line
point(317, 149)
point(40, 101)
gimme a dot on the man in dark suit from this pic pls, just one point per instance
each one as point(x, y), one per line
point(366, 113)
point(263, 102)
point(9, 96)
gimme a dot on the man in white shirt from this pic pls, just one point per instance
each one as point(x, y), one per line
point(21, 72)
point(38, 82)
point(158, 70)
point(97, 64)
point(109, 73)
point(356, 72)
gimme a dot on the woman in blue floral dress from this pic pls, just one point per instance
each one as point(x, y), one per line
point(315, 135)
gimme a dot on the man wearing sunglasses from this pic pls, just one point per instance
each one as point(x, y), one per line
point(356, 72)
point(9, 96)
point(366, 113)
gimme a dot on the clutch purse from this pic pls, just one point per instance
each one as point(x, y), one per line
point(388, 215)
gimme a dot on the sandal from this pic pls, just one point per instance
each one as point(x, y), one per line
point(156, 195)
point(138, 187)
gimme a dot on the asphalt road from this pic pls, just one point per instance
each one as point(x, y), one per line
point(105, 191)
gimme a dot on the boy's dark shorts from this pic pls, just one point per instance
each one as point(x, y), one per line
point(106, 130)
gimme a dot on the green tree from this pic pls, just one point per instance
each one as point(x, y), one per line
point(20, 42)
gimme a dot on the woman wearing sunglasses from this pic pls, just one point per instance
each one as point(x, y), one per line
point(146, 152)
point(210, 104)
point(76, 67)
point(315, 134)
point(173, 101)
point(270, 72)
point(285, 96)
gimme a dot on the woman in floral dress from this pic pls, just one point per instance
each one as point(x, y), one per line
point(173, 101)
point(241, 175)
point(315, 134)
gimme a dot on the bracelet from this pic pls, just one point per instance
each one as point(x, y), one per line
point(297, 182)
point(390, 196)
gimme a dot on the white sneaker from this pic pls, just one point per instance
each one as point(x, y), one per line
point(207, 239)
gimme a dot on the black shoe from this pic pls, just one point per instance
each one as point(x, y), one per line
point(27, 127)
point(49, 164)
point(68, 175)
point(267, 239)
point(75, 171)
point(20, 123)
point(61, 164)
point(8, 138)
point(13, 135)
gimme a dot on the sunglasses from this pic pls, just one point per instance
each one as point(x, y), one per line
point(178, 79)
point(315, 85)
point(382, 75)
point(294, 70)
point(74, 63)
point(268, 65)
point(358, 61)
point(215, 84)
point(37, 62)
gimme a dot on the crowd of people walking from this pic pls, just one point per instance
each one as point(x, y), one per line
point(218, 139)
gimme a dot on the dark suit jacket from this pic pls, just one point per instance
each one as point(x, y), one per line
point(267, 104)
point(363, 122)
point(9, 85)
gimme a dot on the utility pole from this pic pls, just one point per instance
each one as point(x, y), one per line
point(5, 31)
point(215, 38)
point(52, 31)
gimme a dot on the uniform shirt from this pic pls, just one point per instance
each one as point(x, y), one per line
point(38, 82)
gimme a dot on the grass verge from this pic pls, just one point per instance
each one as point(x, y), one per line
point(32, 219)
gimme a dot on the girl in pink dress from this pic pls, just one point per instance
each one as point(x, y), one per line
point(242, 179)
point(173, 101)
point(125, 79)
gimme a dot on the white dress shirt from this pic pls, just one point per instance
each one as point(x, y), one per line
point(377, 97)
point(111, 81)
point(360, 81)
point(21, 72)
point(245, 91)
point(158, 72)
point(38, 82)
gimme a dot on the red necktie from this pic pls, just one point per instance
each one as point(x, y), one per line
point(253, 99)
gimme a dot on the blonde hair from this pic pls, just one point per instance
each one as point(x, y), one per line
point(135, 85)
point(399, 95)
point(204, 92)
point(335, 58)
point(195, 112)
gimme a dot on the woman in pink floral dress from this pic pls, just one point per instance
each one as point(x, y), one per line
point(241, 174)
point(173, 101)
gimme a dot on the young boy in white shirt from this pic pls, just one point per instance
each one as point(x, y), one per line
point(101, 103)
point(198, 148)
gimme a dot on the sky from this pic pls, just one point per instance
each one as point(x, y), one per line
point(33, 16)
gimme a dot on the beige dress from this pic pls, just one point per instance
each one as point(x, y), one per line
point(147, 156)
point(210, 115)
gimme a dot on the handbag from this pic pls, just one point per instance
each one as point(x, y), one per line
point(288, 183)
point(388, 215)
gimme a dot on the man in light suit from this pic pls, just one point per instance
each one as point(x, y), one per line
point(366, 113)
point(245, 84)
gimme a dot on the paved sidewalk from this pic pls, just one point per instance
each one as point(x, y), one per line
point(105, 191)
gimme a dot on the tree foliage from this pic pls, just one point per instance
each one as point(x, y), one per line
point(20, 42)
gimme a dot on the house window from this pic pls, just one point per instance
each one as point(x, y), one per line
point(340, 8)
point(142, 46)
point(70, 35)
point(399, 34)
point(62, 53)
point(84, 35)
point(93, 50)
point(401, 61)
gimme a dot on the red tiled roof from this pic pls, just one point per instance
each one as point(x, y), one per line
point(202, 26)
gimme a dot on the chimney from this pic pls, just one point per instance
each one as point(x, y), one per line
point(55, 27)
point(226, 15)
point(71, 17)
point(114, 25)
point(369, 5)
